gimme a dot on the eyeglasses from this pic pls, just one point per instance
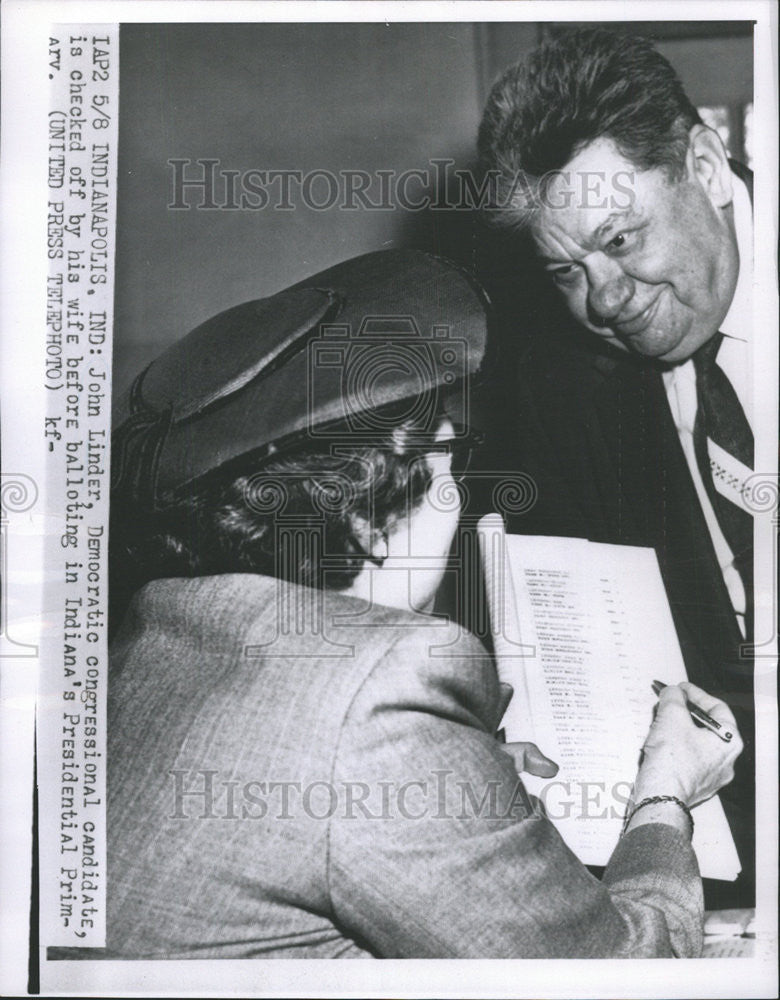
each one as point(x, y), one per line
point(460, 448)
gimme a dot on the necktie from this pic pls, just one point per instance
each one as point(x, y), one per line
point(720, 417)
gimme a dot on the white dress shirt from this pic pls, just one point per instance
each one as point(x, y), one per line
point(735, 359)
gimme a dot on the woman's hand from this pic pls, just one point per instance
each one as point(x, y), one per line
point(529, 758)
point(681, 758)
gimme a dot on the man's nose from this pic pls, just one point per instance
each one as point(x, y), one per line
point(609, 289)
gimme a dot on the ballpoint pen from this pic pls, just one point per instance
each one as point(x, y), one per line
point(700, 716)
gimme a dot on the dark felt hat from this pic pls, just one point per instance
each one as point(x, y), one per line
point(389, 332)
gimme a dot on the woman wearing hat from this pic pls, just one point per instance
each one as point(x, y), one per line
point(302, 763)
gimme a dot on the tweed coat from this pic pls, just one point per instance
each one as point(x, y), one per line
point(297, 774)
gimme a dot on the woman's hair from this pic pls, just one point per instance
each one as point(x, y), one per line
point(295, 516)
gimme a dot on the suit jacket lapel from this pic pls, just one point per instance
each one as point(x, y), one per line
point(655, 504)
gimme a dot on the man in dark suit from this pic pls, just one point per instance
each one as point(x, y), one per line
point(630, 427)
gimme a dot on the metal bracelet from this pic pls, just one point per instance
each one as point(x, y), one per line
point(652, 800)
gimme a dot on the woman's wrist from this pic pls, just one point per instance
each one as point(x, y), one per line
point(667, 809)
point(648, 783)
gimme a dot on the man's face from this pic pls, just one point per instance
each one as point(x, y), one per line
point(647, 263)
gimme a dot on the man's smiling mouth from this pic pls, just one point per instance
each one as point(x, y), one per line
point(632, 326)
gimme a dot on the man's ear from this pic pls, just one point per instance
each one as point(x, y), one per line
point(707, 163)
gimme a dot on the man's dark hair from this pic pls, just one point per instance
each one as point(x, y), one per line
point(581, 86)
point(294, 516)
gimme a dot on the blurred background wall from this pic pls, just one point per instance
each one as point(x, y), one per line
point(330, 97)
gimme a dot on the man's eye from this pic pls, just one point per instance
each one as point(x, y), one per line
point(565, 274)
point(620, 241)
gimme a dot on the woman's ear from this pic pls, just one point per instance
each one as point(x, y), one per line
point(372, 542)
point(707, 162)
point(379, 550)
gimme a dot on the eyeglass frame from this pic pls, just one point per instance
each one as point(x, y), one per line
point(465, 441)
